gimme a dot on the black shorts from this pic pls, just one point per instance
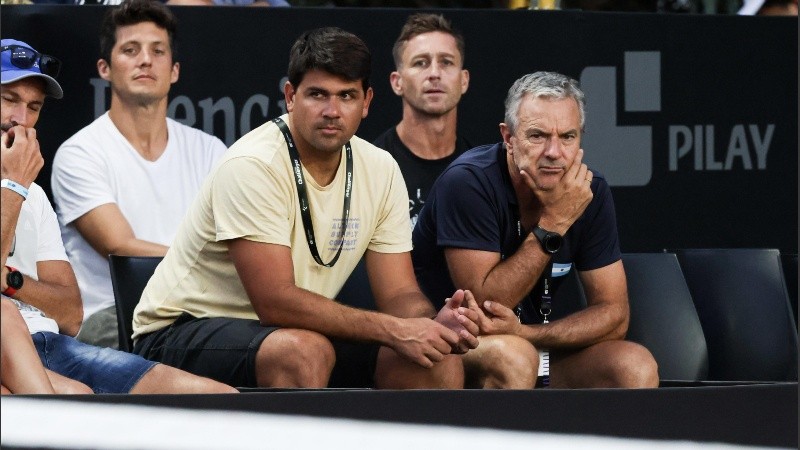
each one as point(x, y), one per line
point(224, 349)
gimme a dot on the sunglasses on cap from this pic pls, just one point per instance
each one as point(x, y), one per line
point(25, 58)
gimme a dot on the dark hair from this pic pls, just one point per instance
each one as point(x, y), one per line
point(332, 50)
point(131, 12)
point(422, 23)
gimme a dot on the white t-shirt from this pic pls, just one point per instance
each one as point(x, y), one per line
point(98, 166)
point(36, 239)
point(252, 194)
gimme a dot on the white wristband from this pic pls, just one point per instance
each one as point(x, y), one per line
point(14, 186)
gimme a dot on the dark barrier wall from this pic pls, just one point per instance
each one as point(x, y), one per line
point(759, 415)
point(692, 118)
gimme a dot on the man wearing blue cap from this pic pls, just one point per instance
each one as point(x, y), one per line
point(38, 277)
point(22, 372)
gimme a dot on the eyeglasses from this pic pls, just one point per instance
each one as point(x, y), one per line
point(25, 58)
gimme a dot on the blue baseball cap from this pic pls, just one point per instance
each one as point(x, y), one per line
point(11, 73)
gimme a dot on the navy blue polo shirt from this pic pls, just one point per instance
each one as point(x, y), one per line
point(473, 205)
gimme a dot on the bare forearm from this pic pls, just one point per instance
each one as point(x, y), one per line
point(60, 302)
point(293, 307)
point(108, 232)
point(134, 247)
point(512, 279)
point(9, 214)
point(409, 304)
point(583, 328)
point(20, 162)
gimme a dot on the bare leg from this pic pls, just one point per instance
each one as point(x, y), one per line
point(395, 372)
point(295, 358)
point(501, 362)
point(22, 370)
point(609, 364)
point(67, 386)
point(164, 379)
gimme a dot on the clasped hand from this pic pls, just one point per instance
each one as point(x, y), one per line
point(453, 330)
point(496, 318)
point(461, 319)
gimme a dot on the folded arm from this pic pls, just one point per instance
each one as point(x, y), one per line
point(56, 293)
point(492, 279)
point(107, 230)
point(605, 318)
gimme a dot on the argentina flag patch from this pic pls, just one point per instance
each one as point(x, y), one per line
point(560, 269)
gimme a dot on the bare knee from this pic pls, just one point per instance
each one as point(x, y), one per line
point(447, 374)
point(67, 386)
point(295, 358)
point(634, 367)
point(642, 368)
point(393, 371)
point(502, 362)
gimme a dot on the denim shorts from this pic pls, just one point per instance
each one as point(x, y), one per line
point(224, 349)
point(105, 370)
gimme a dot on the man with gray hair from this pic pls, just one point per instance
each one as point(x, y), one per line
point(508, 222)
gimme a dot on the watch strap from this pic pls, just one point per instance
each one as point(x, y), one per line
point(10, 290)
point(545, 237)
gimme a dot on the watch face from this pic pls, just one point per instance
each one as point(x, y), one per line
point(14, 279)
point(552, 243)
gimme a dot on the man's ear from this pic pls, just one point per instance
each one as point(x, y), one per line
point(176, 72)
point(103, 69)
point(367, 99)
point(288, 95)
point(505, 133)
point(396, 82)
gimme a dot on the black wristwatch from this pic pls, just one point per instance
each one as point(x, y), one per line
point(13, 280)
point(551, 241)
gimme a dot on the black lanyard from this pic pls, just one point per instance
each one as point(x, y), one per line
point(302, 196)
point(545, 308)
point(546, 299)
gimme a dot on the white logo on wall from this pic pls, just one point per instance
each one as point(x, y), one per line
point(624, 154)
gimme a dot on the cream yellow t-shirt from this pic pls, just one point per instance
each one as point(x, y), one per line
point(251, 194)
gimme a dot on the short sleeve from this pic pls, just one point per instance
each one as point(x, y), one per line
point(465, 215)
point(250, 202)
point(600, 240)
point(393, 231)
point(79, 182)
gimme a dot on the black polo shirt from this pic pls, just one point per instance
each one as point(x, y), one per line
point(473, 205)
